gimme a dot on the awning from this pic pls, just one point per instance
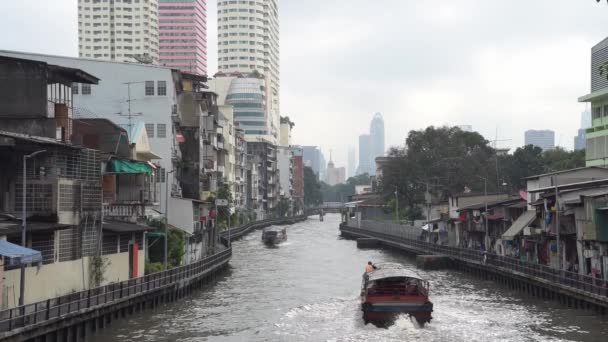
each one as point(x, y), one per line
point(352, 204)
point(128, 166)
point(522, 221)
point(124, 227)
point(19, 255)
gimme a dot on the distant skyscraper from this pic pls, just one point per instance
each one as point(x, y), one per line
point(586, 119)
point(365, 154)
point(544, 139)
point(248, 41)
point(118, 31)
point(335, 175)
point(351, 161)
point(313, 158)
point(183, 34)
point(376, 132)
point(580, 140)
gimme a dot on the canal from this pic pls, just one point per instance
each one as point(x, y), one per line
point(307, 290)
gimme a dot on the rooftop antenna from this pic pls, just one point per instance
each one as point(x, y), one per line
point(129, 114)
point(495, 146)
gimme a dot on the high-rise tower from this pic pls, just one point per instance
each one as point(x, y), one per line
point(376, 132)
point(248, 42)
point(183, 34)
point(118, 31)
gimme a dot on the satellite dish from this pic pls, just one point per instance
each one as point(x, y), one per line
point(143, 59)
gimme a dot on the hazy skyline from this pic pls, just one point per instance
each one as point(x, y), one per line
point(512, 65)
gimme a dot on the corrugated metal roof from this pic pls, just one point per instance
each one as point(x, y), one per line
point(522, 221)
point(391, 270)
point(36, 139)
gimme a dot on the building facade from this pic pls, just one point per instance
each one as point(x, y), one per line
point(181, 123)
point(183, 35)
point(123, 31)
point(545, 139)
point(351, 162)
point(365, 155)
point(248, 42)
point(247, 98)
point(597, 135)
point(376, 132)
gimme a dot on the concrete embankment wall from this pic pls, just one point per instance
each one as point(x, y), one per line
point(535, 280)
point(66, 277)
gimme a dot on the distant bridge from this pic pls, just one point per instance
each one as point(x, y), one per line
point(328, 207)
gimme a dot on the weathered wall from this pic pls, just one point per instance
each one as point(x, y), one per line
point(65, 277)
point(48, 281)
point(23, 89)
point(41, 126)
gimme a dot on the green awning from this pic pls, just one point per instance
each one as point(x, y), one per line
point(155, 234)
point(128, 166)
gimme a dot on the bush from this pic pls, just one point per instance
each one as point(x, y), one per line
point(153, 267)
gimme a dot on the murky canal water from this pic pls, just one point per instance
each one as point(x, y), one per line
point(307, 290)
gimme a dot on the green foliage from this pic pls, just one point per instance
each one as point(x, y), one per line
point(97, 269)
point(224, 192)
point(340, 192)
point(153, 267)
point(312, 188)
point(531, 160)
point(175, 246)
point(445, 160)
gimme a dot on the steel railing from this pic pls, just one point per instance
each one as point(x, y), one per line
point(586, 284)
point(52, 308)
point(38, 312)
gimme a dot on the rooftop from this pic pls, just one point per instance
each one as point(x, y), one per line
point(565, 171)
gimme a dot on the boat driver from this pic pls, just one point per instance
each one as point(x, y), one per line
point(369, 267)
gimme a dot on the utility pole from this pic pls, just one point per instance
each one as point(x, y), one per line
point(559, 260)
point(24, 223)
point(165, 265)
point(485, 200)
point(397, 204)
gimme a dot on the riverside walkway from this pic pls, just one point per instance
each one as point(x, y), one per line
point(570, 288)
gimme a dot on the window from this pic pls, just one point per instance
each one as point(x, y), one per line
point(75, 89)
point(150, 89)
point(597, 112)
point(161, 175)
point(161, 88)
point(161, 130)
point(150, 130)
point(86, 89)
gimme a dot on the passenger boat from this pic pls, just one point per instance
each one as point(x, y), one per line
point(391, 290)
point(274, 235)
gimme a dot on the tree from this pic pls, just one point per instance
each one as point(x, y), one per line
point(341, 192)
point(312, 188)
point(223, 192)
point(559, 159)
point(525, 161)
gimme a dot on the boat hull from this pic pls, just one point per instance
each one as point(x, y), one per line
point(272, 238)
point(381, 313)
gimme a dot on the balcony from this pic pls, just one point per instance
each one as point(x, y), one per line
point(131, 213)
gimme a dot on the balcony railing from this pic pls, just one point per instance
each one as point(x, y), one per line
point(123, 212)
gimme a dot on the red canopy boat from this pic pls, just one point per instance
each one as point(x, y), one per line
point(391, 290)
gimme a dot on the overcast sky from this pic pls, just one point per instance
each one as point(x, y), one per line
point(507, 65)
